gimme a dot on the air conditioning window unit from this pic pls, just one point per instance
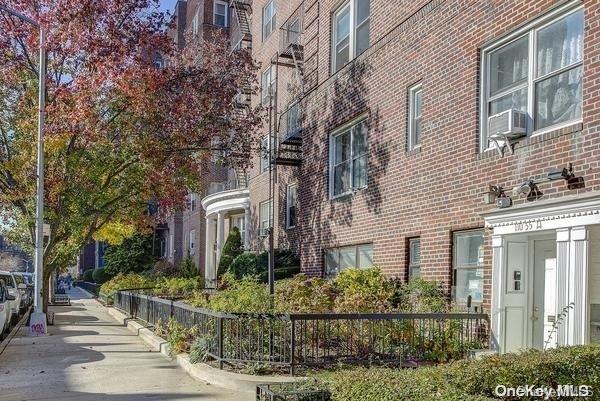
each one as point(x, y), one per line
point(510, 123)
point(505, 127)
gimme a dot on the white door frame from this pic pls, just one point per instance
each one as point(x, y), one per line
point(567, 218)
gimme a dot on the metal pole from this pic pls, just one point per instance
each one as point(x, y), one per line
point(39, 223)
point(271, 261)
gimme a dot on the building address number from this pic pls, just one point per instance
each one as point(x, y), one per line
point(528, 226)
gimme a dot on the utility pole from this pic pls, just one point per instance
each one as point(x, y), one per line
point(37, 321)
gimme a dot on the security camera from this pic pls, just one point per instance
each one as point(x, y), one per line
point(524, 189)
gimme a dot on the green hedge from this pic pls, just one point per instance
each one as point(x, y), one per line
point(100, 275)
point(470, 380)
point(88, 275)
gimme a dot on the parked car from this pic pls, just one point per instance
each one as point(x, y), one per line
point(27, 292)
point(13, 290)
point(5, 310)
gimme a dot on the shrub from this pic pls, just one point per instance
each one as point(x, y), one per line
point(231, 250)
point(200, 348)
point(304, 294)
point(421, 296)
point(283, 258)
point(245, 265)
point(164, 268)
point(471, 380)
point(134, 254)
point(187, 268)
point(100, 275)
point(280, 274)
point(88, 275)
point(125, 281)
point(245, 295)
point(178, 286)
point(363, 290)
point(178, 336)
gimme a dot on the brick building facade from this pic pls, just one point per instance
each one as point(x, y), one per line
point(395, 100)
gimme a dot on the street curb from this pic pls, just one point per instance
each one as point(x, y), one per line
point(200, 371)
point(13, 332)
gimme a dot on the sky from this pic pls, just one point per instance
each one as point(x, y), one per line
point(168, 5)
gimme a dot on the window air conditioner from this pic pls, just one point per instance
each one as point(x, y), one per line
point(505, 127)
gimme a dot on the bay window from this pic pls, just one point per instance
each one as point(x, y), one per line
point(348, 160)
point(539, 72)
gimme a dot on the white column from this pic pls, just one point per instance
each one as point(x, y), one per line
point(497, 284)
point(220, 235)
point(209, 270)
point(579, 273)
point(563, 237)
point(247, 228)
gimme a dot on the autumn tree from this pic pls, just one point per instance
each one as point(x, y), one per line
point(119, 131)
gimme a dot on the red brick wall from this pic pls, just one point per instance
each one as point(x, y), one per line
point(437, 190)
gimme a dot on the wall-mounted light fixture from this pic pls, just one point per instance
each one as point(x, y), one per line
point(496, 194)
point(531, 189)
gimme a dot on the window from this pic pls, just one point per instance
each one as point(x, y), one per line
point(414, 257)
point(192, 242)
point(415, 107)
point(539, 72)
point(265, 153)
point(292, 201)
point(240, 222)
point(267, 84)
point(196, 23)
point(266, 221)
point(348, 160)
point(220, 13)
point(269, 19)
point(171, 244)
point(293, 119)
point(356, 256)
point(193, 202)
point(468, 266)
point(350, 31)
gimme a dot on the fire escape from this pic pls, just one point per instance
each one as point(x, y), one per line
point(298, 51)
point(240, 34)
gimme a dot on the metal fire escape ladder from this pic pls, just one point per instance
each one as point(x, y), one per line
point(241, 35)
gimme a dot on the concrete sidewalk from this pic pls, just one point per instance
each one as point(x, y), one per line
point(88, 356)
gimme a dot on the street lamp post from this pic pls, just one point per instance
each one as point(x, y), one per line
point(38, 318)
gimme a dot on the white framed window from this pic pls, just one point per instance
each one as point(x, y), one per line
point(239, 221)
point(467, 266)
point(351, 31)
point(193, 201)
point(267, 84)
point(348, 159)
point(196, 23)
point(266, 148)
point(291, 206)
point(414, 257)
point(293, 118)
point(537, 70)
point(220, 13)
point(265, 217)
point(415, 112)
point(269, 19)
point(347, 257)
point(192, 242)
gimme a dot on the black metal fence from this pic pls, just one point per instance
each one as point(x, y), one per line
point(313, 340)
point(92, 288)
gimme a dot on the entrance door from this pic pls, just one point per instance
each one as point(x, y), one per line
point(514, 296)
point(543, 311)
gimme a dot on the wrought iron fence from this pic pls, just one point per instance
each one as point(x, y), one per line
point(314, 340)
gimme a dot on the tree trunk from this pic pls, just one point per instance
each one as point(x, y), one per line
point(46, 288)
